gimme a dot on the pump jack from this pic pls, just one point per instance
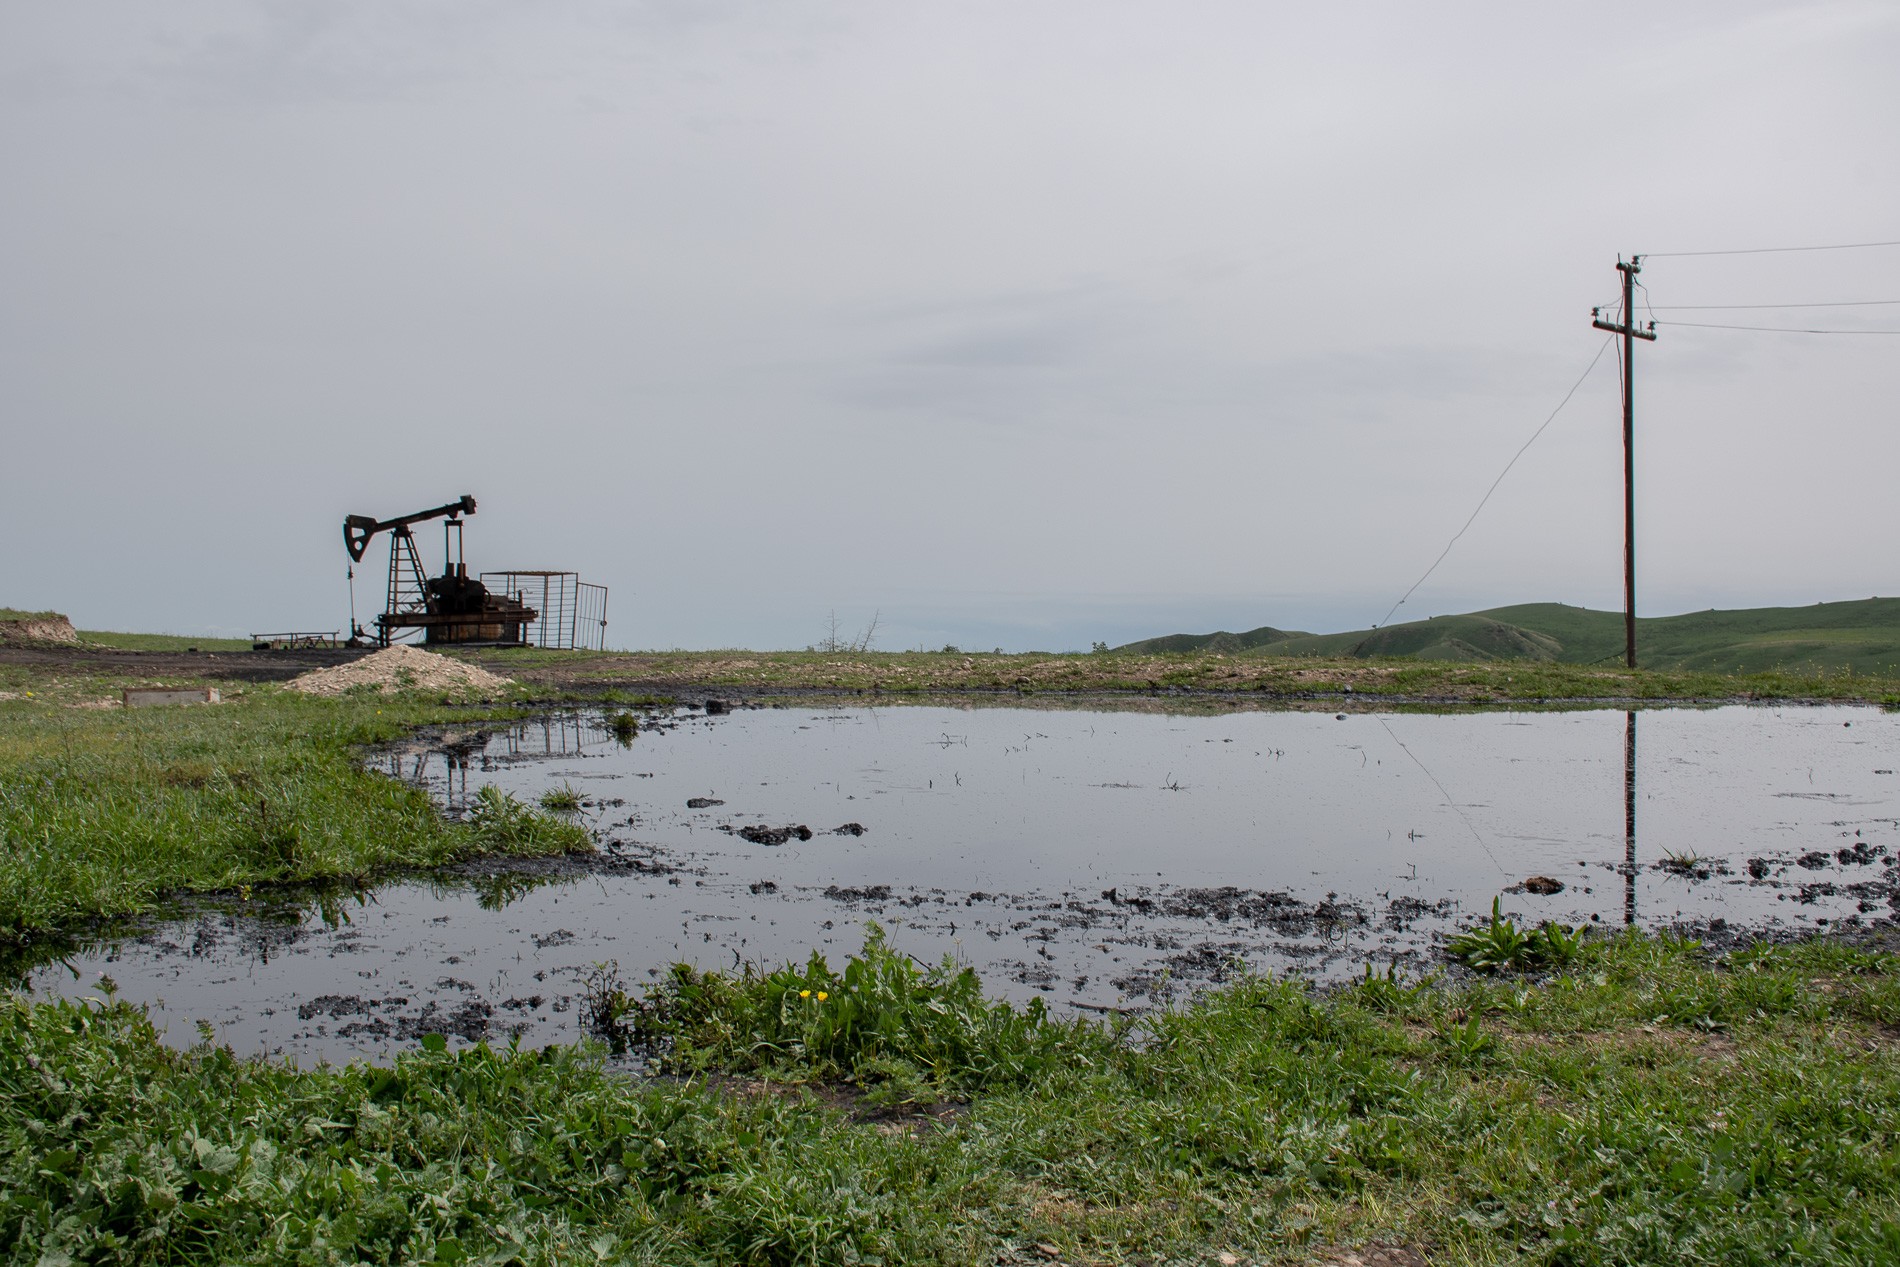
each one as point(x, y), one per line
point(453, 607)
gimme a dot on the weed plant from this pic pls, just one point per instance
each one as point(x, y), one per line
point(1501, 946)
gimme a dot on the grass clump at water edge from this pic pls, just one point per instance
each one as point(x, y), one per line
point(102, 812)
point(1501, 946)
point(904, 1033)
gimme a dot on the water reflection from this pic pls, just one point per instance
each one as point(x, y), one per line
point(552, 735)
point(1629, 818)
point(1090, 858)
point(446, 763)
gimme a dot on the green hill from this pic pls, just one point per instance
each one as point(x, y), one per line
point(1863, 636)
point(1252, 640)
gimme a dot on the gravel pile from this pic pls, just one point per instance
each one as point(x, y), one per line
point(401, 668)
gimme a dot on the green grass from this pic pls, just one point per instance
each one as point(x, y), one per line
point(905, 1033)
point(1861, 637)
point(14, 613)
point(102, 812)
point(1650, 1105)
point(561, 800)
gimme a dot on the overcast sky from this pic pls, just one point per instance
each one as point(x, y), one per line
point(1021, 324)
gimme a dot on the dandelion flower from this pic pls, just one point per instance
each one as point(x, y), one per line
point(804, 994)
point(822, 996)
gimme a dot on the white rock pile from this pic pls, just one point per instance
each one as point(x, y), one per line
point(401, 668)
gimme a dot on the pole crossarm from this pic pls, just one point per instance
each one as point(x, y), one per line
point(1631, 331)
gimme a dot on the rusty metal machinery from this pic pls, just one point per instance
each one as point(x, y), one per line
point(451, 608)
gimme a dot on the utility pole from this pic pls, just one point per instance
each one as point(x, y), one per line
point(1627, 328)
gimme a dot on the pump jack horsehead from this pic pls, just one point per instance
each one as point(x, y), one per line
point(450, 608)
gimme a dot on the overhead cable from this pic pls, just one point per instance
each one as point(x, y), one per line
point(1501, 474)
point(1768, 250)
point(1713, 325)
point(1456, 807)
point(1832, 303)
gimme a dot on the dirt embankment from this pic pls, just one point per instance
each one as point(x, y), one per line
point(42, 628)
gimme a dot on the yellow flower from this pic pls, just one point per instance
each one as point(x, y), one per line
point(804, 994)
point(822, 996)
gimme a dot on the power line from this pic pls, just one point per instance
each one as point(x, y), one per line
point(1836, 303)
point(1456, 807)
point(1647, 306)
point(1767, 250)
point(1500, 479)
point(1712, 325)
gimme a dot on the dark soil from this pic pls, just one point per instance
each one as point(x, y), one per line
point(223, 666)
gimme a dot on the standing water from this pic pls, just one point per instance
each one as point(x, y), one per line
point(1097, 859)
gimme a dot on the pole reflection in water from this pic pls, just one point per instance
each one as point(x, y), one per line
point(1629, 817)
point(455, 781)
point(414, 768)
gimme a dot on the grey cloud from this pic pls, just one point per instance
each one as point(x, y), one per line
point(750, 309)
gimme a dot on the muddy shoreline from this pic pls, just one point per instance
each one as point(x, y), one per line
point(1155, 946)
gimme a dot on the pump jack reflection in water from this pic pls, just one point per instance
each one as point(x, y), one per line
point(414, 767)
point(552, 735)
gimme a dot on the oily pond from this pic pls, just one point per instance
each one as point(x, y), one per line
point(1101, 860)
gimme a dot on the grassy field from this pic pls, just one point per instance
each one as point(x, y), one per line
point(103, 811)
point(1629, 1099)
point(1648, 1104)
point(1861, 637)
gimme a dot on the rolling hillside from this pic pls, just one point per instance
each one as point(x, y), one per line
point(1252, 640)
point(1863, 636)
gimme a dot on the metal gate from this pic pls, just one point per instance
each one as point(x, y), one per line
point(573, 613)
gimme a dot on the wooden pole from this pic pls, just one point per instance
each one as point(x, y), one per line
point(1627, 328)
